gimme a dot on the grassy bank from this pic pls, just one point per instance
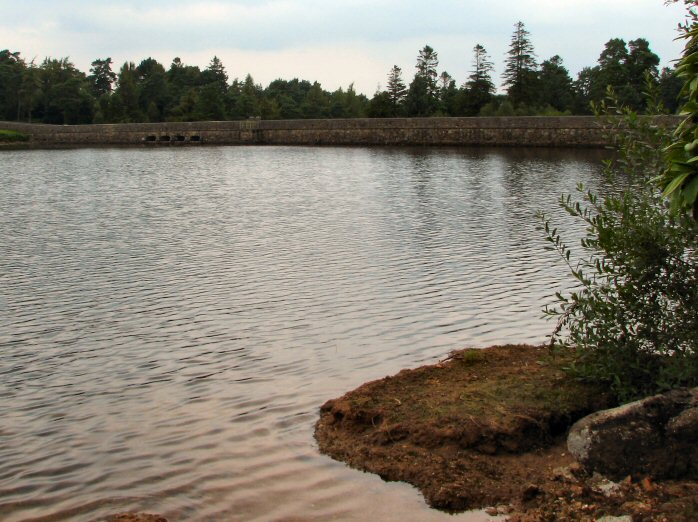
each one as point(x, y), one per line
point(10, 136)
point(12, 140)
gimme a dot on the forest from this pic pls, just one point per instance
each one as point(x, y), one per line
point(55, 91)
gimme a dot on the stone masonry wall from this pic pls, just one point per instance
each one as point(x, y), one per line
point(564, 131)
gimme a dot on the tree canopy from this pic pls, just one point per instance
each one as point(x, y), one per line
point(55, 91)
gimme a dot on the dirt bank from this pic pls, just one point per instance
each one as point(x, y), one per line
point(487, 428)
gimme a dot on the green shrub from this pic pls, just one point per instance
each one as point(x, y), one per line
point(632, 319)
point(680, 178)
point(12, 136)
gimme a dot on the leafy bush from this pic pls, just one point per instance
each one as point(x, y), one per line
point(632, 319)
point(680, 179)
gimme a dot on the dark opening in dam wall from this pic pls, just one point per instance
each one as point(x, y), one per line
point(524, 131)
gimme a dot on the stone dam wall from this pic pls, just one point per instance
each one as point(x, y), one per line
point(563, 131)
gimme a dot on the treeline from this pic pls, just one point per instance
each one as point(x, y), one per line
point(55, 91)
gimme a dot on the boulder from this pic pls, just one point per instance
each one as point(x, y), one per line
point(656, 436)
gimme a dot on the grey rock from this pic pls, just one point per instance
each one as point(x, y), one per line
point(607, 488)
point(656, 436)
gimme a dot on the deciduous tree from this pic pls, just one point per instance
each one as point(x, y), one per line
point(66, 96)
point(12, 68)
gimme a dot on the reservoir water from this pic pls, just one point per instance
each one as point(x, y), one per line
point(171, 319)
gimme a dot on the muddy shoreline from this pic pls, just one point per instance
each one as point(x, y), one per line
point(487, 429)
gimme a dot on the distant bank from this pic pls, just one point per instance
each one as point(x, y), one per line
point(524, 131)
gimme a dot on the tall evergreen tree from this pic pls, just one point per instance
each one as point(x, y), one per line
point(153, 90)
point(445, 80)
point(642, 66)
point(623, 68)
point(397, 90)
point(248, 102)
point(128, 95)
point(479, 88)
point(29, 92)
point(555, 85)
point(448, 94)
point(316, 103)
point(210, 104)
point(381, 106)
point(423, 94)
point(102, 78)
point(482, 70)
point(583, 88)
point(215, 73)
point(427, 62)
point(181, 79)
point(520, 74)
point(348, 104)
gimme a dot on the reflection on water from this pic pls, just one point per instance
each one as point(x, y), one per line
point(173, 318)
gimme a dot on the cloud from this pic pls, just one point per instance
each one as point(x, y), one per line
point(344, 41)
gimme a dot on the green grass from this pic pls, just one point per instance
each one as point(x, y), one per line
point(10, 136)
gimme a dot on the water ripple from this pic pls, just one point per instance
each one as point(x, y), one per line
point(172, 318)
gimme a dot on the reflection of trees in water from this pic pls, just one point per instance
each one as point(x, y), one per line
point(456, 208)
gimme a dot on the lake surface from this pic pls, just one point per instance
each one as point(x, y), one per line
point(171, 319)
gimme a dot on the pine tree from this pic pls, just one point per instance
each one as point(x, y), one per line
point(520, 73)
point(215, 73)
point(127, 92)
point(397, 90)
point(248, 101)
point(102, 78)
point(448, 94)
point(423, 95)
point(555, 85)
point(427, 62)
point(482, 70)
point(153, 88)
point(479, 88)
point(445, 80)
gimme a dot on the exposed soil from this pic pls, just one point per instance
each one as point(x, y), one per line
point(487, 428)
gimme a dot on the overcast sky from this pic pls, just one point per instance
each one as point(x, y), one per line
point(335, 42)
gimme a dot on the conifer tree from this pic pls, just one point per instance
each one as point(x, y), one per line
point(127, 92)
point(427, 62)
point(555, 85)
point(520, 72)
point(397, 90)
point(423, 95)
point(479, 88)
point(216, 73)
point(102, 78)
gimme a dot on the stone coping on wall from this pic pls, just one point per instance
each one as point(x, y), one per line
point(562, 131)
